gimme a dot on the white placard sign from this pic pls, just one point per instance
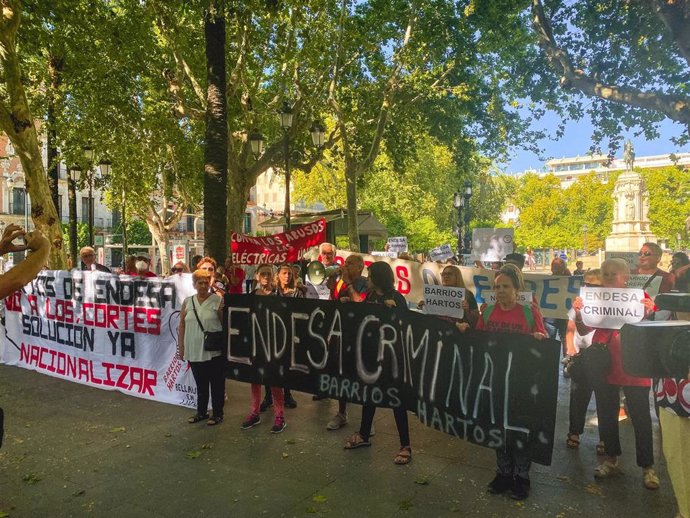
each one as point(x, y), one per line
point(323, 291)
point(492, 244)
point(638, 280)
point(524, 298)
point(443, 300)
point(611, 308)
point(397, 244)
point(441, 253)
point(392, 255)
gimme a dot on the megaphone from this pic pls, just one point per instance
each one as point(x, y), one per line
point(317, 272)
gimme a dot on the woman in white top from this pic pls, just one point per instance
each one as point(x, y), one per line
point(207, 366)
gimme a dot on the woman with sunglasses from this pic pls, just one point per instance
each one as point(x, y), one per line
point(179, 267)
point(209, 264)
point(264, 279)
point(451, 276)
point(648, 264)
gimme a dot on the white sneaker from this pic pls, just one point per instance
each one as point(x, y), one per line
point(337, 422)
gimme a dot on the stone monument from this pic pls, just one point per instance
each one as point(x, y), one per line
point(630, 208)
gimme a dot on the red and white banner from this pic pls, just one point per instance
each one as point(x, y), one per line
point(278, 248)
point(102, 330)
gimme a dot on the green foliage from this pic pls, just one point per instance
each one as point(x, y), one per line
point(669, 204)
point(82, 235)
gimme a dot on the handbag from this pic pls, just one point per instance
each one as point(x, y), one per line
point(213, 340)
point(596, 362)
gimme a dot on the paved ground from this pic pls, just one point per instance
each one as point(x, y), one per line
point(71, 450)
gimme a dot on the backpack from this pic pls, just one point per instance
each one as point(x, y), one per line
point(527, 311)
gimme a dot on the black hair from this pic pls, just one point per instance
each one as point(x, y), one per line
point(381, 276)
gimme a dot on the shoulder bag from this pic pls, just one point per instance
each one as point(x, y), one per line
point(213, 340)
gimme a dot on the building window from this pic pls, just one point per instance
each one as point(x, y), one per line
point(59, 207)
point(84, 209)
point(247, 223)
point(190, 220)
point(18, 202)
point(116, 218)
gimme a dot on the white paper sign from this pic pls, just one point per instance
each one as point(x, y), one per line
point(397, 244)
point(443, 300)
point(638, 280)
point(611, 308)
point(392, 255)
point(323, 291)
point(492, 244)
point(441, 253)
point(524, 298)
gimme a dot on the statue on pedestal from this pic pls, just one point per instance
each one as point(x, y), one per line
point(628, 155)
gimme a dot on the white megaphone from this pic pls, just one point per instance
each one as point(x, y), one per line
point(317, 272)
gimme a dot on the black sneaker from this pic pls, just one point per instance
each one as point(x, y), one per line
point(520, 489)
point(266, 404)
point(279, 425)
point(500, 484)
point(251, 421)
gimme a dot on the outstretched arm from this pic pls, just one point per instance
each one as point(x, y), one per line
point(23, 273)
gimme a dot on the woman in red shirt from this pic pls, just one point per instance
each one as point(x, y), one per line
point(615, 273)
point(508, 316)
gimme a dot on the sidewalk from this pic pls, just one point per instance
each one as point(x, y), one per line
point(72, 450)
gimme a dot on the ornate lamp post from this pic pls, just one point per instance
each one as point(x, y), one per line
point(459, 204)
point(74, 174)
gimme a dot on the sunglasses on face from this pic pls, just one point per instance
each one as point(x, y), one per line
point(177, 270)
point(645, 254)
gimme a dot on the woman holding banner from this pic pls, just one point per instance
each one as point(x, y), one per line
point(382, 291)
point(203, 313)
point(264, 279)
point(507, 315)
point(615, 273)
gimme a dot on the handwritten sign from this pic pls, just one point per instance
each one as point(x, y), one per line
point(524, 298)
point(445, 301)
point(397, 244)
point(638, 280)
point(392, 255)
point(611, 308)
point(441, 253)
point(493, 389)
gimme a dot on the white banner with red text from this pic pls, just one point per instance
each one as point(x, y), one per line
point(103, 330)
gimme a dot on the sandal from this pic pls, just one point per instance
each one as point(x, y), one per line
point(606, 469)
point(600, 448)
point(404, 456)
point(213, 421)
point(197, 418)
point(573, 441)
point(356, 441)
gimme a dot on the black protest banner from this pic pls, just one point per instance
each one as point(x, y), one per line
point(491, 389)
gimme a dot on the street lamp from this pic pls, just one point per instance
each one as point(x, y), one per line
point(459, 204)
point(88, 156)
point(466, 196)
point(256, 142)
point(74, 174)
point(286, 123)
point(318, 134)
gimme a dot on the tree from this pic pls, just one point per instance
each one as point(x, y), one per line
point(669, 203)
point(631, 58)
point(17, 121)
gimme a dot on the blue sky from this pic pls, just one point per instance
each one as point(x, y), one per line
point(576, 141)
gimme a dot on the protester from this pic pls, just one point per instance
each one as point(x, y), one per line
point(512, 466)
point(284, 282)
point(203, 313)
point(579, 268)
point(680, 268)
point(556, 327)
point(581, 388)
point(209, 264)
point(649, 257)
point(451, 276)
point(516, 259)
point(235, 276)
point(381, 290)
point(352, 287)
point(143, 266)
point(308, 289)
point(264, 278)
point(531, 261)
point(88, 260)
point(194, 264)
point(179, 267)
point(23, 273)
point(615, 273)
